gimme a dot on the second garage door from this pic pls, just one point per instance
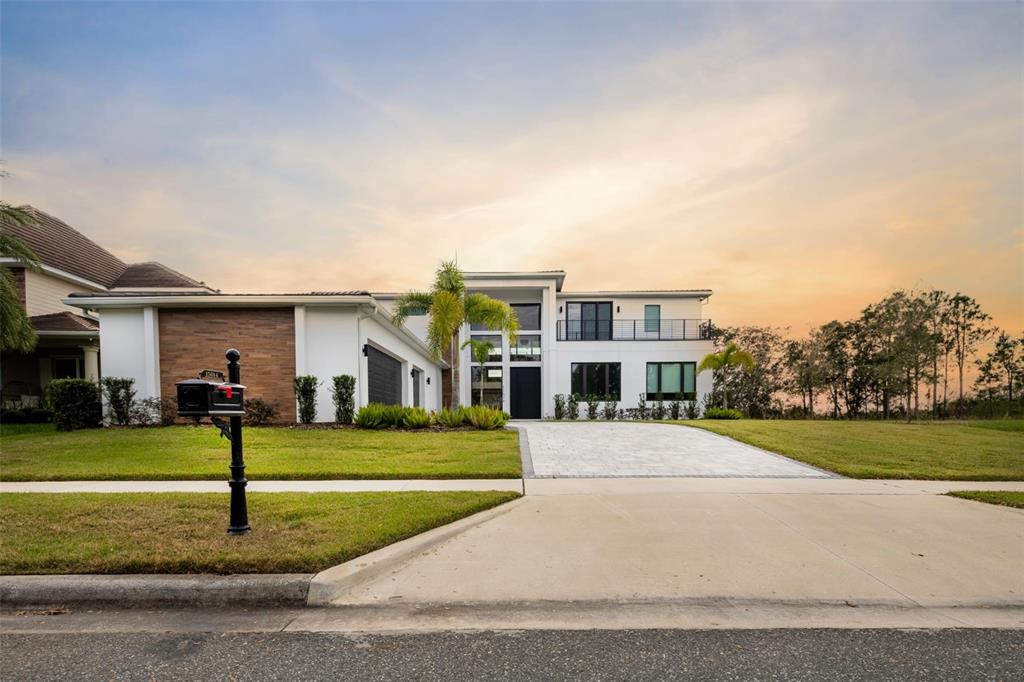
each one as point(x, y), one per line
point(384, 377)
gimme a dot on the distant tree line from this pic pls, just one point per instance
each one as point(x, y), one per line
point(905, 356)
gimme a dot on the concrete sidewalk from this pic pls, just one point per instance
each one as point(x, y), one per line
point(513, 484)
point(622, 548)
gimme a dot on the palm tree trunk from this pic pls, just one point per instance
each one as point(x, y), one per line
point(455, 374)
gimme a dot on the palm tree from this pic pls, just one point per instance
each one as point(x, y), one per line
point(730, 356)
point(451, 307)
point(16, 331)
point(481, 354)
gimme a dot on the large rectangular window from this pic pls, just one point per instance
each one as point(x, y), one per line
point(528, 315)
point(495, 341)
point(671, 381)
point(526, 349)
point(588, 321)
point(486, 386)
point(652, 319)
point(597, 378)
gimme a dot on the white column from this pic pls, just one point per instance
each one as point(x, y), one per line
point(91, 363)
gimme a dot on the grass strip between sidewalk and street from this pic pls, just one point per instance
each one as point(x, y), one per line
point(1005, 498)
point(961, 451)
point(186, 532)
point(197, 453)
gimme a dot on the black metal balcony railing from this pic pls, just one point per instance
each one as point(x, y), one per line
point(634, 330)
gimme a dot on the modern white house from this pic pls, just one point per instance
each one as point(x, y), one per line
point(622, 344)
point(98, 316)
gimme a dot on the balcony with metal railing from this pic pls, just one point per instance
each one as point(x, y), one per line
point(634, 330)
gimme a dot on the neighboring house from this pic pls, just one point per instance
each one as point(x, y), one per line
point(69, 337)
point(619, 343)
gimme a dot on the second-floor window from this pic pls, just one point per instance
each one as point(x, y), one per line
point(526, 348)
point(588, 321)
point(652, 319)
point(528, 315)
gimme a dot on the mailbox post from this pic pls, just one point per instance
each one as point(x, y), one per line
point(239, 508)
point(203, 397)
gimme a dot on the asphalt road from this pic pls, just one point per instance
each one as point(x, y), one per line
point(521, 655)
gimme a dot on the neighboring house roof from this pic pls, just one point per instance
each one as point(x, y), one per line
point(63, 247)
point(154, 275)
point(64, 322)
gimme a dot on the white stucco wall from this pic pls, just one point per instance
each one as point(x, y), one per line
point(129, 345)
point(329, 342)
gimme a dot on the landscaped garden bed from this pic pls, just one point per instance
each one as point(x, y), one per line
point(964, 451)
point(185, 533)
point(34, 453)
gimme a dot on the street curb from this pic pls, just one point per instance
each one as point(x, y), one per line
point(329, 585)
point(155, 589)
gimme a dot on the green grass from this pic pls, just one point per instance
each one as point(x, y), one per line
point(871, 449)
point(1006, 498)
point(185, 532)
point(195, 453)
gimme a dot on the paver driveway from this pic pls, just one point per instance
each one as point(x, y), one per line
point(604, 449)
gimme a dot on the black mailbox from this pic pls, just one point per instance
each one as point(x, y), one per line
point(202, 398)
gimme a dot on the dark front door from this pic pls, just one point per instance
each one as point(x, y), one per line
point(415, 388)
point(384, 377)
point(525, 393)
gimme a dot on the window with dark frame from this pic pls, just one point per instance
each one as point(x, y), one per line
point(652, 319)
point(597, 378)
point(528, 315)
point(496, 347)
point(526, 348)
point(671, 380)
point(67, 368)
point(588, 321)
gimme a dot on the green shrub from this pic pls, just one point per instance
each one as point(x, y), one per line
point(658, 411)
point(305, 396)
point(394, 415)
point(344, 393)
point(593, 403)
point(370, 416)
point(559, 406)
point(722, 413)
point(692, 410)
point(572, 407)
point(450, 419)
point(258, 412)
point(120, 394)
point(75, 404)
point(485, 418)
point(611, 407)
point(641, 407)
point(153, 412)
point(416, 418)
point(674, 408)
point(26, 415)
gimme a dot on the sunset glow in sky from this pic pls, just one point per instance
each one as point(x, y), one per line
point(801, 160)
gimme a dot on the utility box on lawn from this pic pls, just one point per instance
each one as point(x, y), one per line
point(204, 398)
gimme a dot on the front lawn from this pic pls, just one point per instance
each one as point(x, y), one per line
point(196, 453)
point(1006, 498)
point(871, 449)
point(185, 532)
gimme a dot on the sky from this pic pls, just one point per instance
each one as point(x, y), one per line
point(801, 160)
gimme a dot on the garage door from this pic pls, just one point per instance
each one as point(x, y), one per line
point(384, 375)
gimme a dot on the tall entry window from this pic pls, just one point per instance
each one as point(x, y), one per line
point(588, 321)
point(671, 381)
point(597, 378)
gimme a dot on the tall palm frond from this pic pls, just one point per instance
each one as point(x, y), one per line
point(492, 313)
point(16, 331)
point(447, 314)
point(411, 303)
